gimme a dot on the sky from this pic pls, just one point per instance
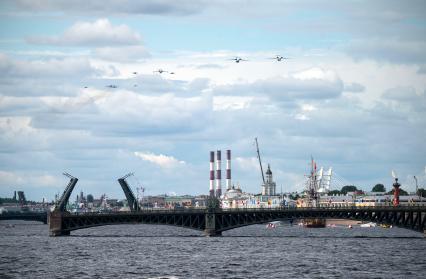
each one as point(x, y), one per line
point(352, 94)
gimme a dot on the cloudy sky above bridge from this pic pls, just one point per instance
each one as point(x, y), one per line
point(353, 94)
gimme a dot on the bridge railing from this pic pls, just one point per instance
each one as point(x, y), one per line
point(422, 207)
point(144, 210)
point(248, 209)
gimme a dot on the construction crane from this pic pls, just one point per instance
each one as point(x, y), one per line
point(260, 161)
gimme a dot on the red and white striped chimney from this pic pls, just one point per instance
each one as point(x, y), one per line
point(211, 173)
point(228, 169)
point(218, 174)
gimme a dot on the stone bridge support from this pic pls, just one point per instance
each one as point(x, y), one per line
point(211, 228)
point(56, 227)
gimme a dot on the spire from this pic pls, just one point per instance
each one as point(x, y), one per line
point(268, 171)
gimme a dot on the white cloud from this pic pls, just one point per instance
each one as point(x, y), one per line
point(313, 83)
point(401, 93)
point(10, 178)
point(308, 107)
point(296, 108)
point(148, 7)
point(47, 69)
point(231, 103)
point(316, 73)
point(354, 87)
point(122, 54)
point(161, 160)
point(393, 51)
point(301, 116)
point(98, 33)
point(13, 179)
point(247, 163)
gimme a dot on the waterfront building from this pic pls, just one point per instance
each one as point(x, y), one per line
point(369, 199)
point(201, 200)
point(179, 201)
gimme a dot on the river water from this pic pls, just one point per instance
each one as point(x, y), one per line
point(151, 251)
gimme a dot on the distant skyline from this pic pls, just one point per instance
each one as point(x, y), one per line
point(352, 94)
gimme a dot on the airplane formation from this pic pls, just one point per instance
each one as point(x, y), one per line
point(236, 59)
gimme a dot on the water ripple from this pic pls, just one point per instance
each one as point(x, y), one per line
point(144, 251)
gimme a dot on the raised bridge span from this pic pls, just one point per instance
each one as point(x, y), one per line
point(214, 220)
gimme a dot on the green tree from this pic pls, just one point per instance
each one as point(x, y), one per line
point(348, 188)
point(421, 192)
point(334, 192)
point(379, 188)
point(294, 196)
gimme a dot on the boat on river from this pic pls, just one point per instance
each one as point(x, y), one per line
point(368, 225)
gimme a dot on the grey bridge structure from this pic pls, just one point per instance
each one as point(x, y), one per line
point(26, 216)
point(213, 220)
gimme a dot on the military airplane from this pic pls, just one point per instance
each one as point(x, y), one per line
point(238, 59)
point(160, 71)
point(279, 58)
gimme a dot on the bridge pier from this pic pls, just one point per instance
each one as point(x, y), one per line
point(210, 229)
point(56, 225)
point(212, 233)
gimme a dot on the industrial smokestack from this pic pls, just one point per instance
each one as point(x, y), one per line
point(228, 169)
point(211, 173)
point(218, 175)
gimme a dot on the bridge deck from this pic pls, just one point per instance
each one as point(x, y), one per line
point(214, 221)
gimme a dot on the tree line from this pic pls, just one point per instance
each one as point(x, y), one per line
point(377, 188)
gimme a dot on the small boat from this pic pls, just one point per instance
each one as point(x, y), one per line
point(368, 225)
point(273, 225)
point(314, 223)
point(350, 227)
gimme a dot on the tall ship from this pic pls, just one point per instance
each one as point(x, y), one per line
point(314, 184)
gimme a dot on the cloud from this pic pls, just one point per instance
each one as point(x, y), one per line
point(301, 116)
point(63, 76)
point(10, 178)
point(422, 70)
point(125, 113)
point(405, 98)
point(148, 7)
point(161, 160)
point(386, 50)
point(210, 66)
point(313, 83)
point(231, 103)
point(122, 54)
point(15, 132)
point(48, 68)
point(400, 93)
point(308, 107)
point(98, 33)
point(49, 121)
point(13, 179)
point(354, 87)
point(247, 163)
